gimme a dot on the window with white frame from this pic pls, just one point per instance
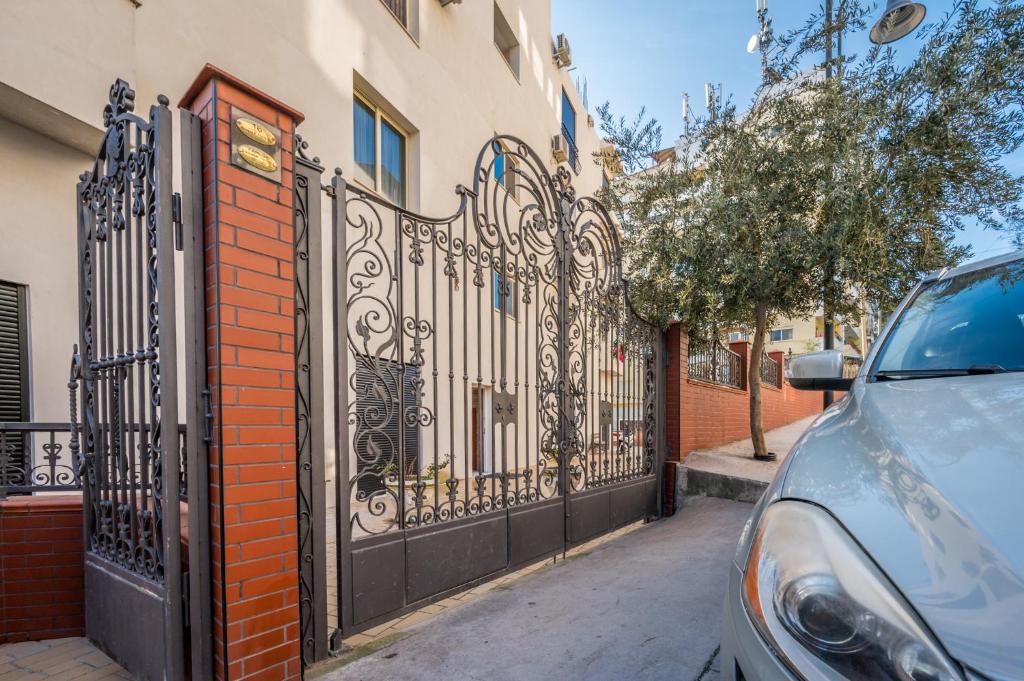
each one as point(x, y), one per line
point(380, 151)
point(777, 335)
point(737, 336)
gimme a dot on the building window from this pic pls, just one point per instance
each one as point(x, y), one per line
point(14, 405)
point(569, 129)
point(380, 151)
point(777, 335)
point(504, 169)
point(505, 40)
point(737, 336)
point(504, 297)
point(399, 8)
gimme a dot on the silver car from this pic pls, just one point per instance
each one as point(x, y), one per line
point(891, 543)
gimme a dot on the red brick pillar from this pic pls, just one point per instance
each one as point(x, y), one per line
point(249, 261)
point(742, 348)
point(779, 357)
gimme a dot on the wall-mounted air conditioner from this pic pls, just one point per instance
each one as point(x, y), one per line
point(445, 3)
point(563, 55)
point(559, 149)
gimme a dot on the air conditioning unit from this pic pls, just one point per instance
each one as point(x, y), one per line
point(445, 3)
point(563, 55)
point(559, 149)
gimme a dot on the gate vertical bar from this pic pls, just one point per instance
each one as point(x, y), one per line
point(343, 501)
point(85, 320)
point(196, 395)
point(309, 407)
point(660, 387)
point(566, 411)
point(168, 399)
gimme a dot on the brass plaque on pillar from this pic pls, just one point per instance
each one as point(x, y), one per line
point(255, 145)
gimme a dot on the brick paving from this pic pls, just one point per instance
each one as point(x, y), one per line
point(66, 659)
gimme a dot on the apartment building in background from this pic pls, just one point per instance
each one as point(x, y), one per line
point(401, 94)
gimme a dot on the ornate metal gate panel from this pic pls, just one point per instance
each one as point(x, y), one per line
point(495, 393)
point(133, 451)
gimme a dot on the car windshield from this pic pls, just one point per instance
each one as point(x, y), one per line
point(970, 323)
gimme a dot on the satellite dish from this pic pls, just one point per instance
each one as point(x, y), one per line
point(754, 43)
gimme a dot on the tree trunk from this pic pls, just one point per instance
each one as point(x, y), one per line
point(754, 382)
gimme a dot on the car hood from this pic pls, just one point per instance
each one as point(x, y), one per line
point(928, 475)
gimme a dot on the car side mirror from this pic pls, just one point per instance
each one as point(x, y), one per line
point(822, 370)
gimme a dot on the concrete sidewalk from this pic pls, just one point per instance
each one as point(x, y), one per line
point(646, 605)
point(730, 470)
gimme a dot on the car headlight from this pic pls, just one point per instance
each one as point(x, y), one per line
point(827, 609)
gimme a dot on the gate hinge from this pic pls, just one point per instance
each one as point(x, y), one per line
point(179, 232)
point(208, 415)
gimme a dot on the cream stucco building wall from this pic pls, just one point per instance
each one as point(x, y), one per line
point(441, 79)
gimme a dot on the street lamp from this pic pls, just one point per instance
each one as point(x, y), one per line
point(900, 18)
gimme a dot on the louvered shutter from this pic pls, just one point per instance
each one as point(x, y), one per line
point(375, 450)
point(13, 381)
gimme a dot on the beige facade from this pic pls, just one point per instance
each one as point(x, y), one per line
point(798, 335)
point(446, 78)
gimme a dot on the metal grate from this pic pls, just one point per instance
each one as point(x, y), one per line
point(770, 371)
point(714, 363)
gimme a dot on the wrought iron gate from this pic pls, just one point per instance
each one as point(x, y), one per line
point(139, 467)
point(496, 396)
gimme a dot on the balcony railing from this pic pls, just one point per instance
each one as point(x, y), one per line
point(715, 363)
point(400, 8)
point(771, 373)
point(41, 457)
point(572, 151)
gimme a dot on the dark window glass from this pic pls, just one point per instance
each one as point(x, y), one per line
point(568, 118)
point(392, 163)
point(504, 297)
point(365, 142)
point(975, 319)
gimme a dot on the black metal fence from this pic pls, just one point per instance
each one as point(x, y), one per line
point(771, 372)
point(714, 363)
point(43, 457)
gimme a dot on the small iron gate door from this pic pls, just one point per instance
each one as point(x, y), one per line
point(495, 393)
point(134, 453)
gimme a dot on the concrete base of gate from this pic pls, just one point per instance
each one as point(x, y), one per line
point(730, 471)
point(644, 605)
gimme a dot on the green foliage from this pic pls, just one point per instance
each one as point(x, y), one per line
point(830, 188)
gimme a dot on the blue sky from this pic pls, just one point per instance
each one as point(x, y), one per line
point(648, 52)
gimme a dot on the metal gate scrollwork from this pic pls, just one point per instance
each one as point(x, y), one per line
point(496, 395)
point(133, 448)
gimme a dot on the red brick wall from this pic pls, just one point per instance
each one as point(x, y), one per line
point(41, 584)
point(701, 415)
point(250, 339)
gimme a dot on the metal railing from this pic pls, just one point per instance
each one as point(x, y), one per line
point(714, 363)
point(573, 151)
point(400, 9)
point(771, 373)
point(37, 457)
point(42, 457)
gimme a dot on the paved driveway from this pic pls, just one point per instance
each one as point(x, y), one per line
point(646, 605)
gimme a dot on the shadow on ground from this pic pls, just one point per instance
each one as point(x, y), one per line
point(647, 605)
